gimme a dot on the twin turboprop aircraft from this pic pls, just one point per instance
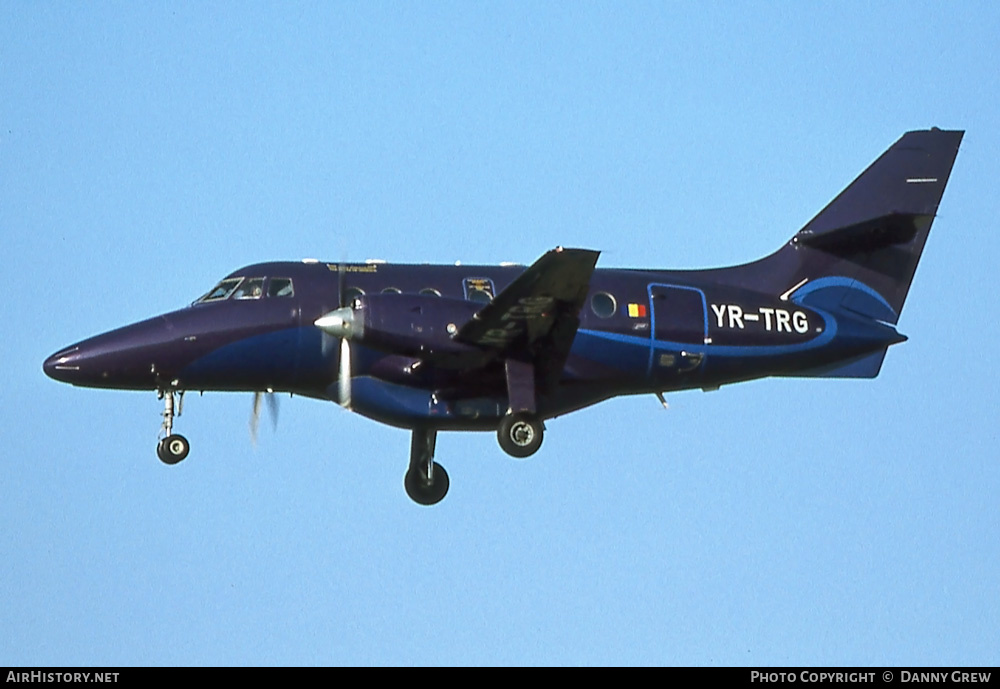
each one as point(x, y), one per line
point(503, 348)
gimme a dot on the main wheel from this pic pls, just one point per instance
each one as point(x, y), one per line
point(173, 449)
point(520, 435)
point(426, 492)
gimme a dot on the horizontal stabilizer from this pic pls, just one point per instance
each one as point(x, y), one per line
point(867, 236)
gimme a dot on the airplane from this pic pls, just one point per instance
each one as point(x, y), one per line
point(433, 348)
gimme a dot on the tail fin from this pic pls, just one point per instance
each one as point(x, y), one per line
point(874, 231)
point(908, 179)
point(859, 253)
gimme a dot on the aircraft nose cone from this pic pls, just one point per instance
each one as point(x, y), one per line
point(135, 357)
point(64, 365)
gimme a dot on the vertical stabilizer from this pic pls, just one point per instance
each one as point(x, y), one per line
point(868, 240)
point(875, 230)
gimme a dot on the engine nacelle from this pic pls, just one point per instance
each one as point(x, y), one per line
point(414, 325)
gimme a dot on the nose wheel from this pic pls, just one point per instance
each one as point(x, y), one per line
point(173, 447)
point(426, 481)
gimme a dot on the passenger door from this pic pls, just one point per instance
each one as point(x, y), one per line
point(678, 329)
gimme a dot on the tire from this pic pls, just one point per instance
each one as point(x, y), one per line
point(173, 449)
point(421, 491)
point(520, 435)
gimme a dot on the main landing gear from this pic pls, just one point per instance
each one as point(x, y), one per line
point(172, 448)
point(426, 481)
point(520, 434)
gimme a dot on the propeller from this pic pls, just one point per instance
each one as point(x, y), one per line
point(344, 374)
point(340, 324)
point(272, 408)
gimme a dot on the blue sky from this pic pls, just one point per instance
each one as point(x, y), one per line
point(148, 150)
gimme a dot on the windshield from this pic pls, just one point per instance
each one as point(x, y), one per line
point(252, 288)
point(221, 290)
point(248, 288)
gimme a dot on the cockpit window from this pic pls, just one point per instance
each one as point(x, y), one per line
point(280, 287)
point(222, 290)
point(252, 288)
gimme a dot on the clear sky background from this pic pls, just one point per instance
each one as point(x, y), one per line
point(146, 151)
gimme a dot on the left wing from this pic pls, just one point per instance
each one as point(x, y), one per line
point(534, 320)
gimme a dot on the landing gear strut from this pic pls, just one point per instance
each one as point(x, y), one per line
point(520, 434)
point(172, 448)
point(426, 481)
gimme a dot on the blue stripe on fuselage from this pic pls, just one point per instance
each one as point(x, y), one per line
point(829, 332)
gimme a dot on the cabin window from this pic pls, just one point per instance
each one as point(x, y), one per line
point(280, 287)
point(252, 288)
point(350, 294)
point(603, 305)
point(430, 292)
point(222, 290)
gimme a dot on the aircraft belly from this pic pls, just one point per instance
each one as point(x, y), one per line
point(407, 407)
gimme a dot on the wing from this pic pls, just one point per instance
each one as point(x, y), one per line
point(534, 320)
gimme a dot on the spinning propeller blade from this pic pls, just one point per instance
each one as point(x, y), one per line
point(272, 408)
point(339, 323)
point(255, 418)
point(344, 375)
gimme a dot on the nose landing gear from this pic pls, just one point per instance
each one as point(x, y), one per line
point(172, 448)
point(426, 481)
